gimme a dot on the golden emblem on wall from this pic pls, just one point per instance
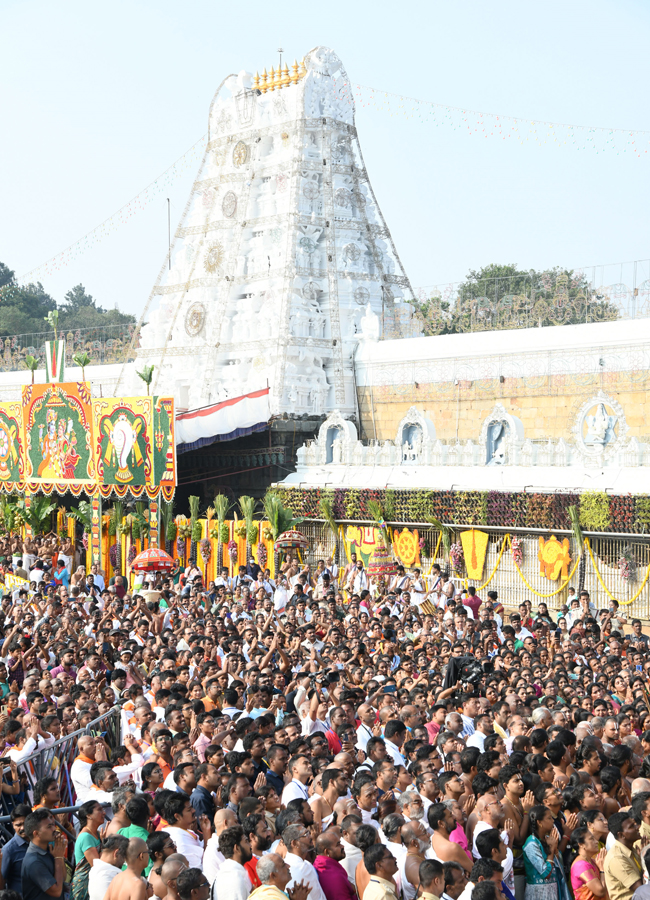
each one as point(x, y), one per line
point(195, 319)
point(554, 558)
point(406, 546)
point(213, 257)
point(240, 153)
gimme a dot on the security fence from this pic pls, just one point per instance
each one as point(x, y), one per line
point(599, 570)
point(57, 759)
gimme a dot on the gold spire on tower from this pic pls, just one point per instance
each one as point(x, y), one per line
point(275, 80)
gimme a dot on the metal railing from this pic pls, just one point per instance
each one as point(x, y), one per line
point(104, 344)
point(507, 580)
point(535, 299)
point(6, 835)
point(57, 760)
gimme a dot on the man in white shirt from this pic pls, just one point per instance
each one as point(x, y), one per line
point(300, 844)
point(37, 572)
point(80, 768)
point(213, 858)
point(399, 580)
point(223, 580)
point(469, 713)
point(97, 577)
point(233, 882)
point(353, 855)
point(311, 643)
point(332, 568)
point(394, 736)
point(520, 631)
point(484, 726)
point(182, 818)
point(241, 578)
point(367, 715)
point(301, 771)
point(417, 588)
point(358, 580)
point(109, 864)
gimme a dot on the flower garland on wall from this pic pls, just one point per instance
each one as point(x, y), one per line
point(599, 512)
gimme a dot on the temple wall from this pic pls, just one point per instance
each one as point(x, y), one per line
point(542, 376)
point(547, 409)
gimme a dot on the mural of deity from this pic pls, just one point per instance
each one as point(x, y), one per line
point(599, 427)
point(57, 443)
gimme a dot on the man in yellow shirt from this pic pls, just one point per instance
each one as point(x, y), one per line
point(381, 866)
point(623, 869)
point(432, 879)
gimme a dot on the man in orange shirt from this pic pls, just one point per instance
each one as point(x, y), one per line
point(162, 747)
point(213, 694)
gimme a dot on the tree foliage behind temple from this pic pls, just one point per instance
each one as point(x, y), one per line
point(502, 297)
point(23, 308)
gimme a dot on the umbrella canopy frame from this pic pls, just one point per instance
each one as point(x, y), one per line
point(152, 560)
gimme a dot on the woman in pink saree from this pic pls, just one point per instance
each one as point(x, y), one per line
point(587, 879)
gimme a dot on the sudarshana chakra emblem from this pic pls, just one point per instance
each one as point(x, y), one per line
point(229, 204)
point(195, 319)
point(213, 257)
point(240, 153)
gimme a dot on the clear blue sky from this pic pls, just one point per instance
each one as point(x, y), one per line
point(99, 98)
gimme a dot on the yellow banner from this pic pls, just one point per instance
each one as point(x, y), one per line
point(13, 582)
point(474, 550)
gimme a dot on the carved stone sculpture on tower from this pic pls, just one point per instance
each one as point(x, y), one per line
point(282, 163)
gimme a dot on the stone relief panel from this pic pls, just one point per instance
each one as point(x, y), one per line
point(501, 436)
point(600, 428)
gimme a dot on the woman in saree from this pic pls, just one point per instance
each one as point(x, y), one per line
point(543, 864)
point(587, 879)
point(86, 849)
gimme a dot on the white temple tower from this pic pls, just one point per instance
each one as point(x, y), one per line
point(282, 261)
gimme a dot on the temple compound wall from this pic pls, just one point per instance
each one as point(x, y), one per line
point(553, 381)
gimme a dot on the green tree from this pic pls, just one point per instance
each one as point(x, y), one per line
point(77, 299)
point(504, 296)
point(80, 310)
point(147, 376)
point(24, 307)
point(82, 359)
point(32, 364)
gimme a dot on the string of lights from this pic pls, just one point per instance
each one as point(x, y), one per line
point(475, 123)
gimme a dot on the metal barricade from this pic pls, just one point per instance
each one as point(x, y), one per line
point(57, 760)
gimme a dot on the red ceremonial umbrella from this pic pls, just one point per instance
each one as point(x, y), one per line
point(152, 560)
point(291, 540)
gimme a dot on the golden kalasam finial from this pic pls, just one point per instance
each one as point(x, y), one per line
point(278, 79)
point(303, 68)
point(294, 73)
point(286, 80)
point(256, 82)
point(272, 79)
point(264, 83)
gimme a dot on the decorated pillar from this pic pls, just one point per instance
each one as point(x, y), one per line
point(96, 529)
point(28, 503)
point(153, 523)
